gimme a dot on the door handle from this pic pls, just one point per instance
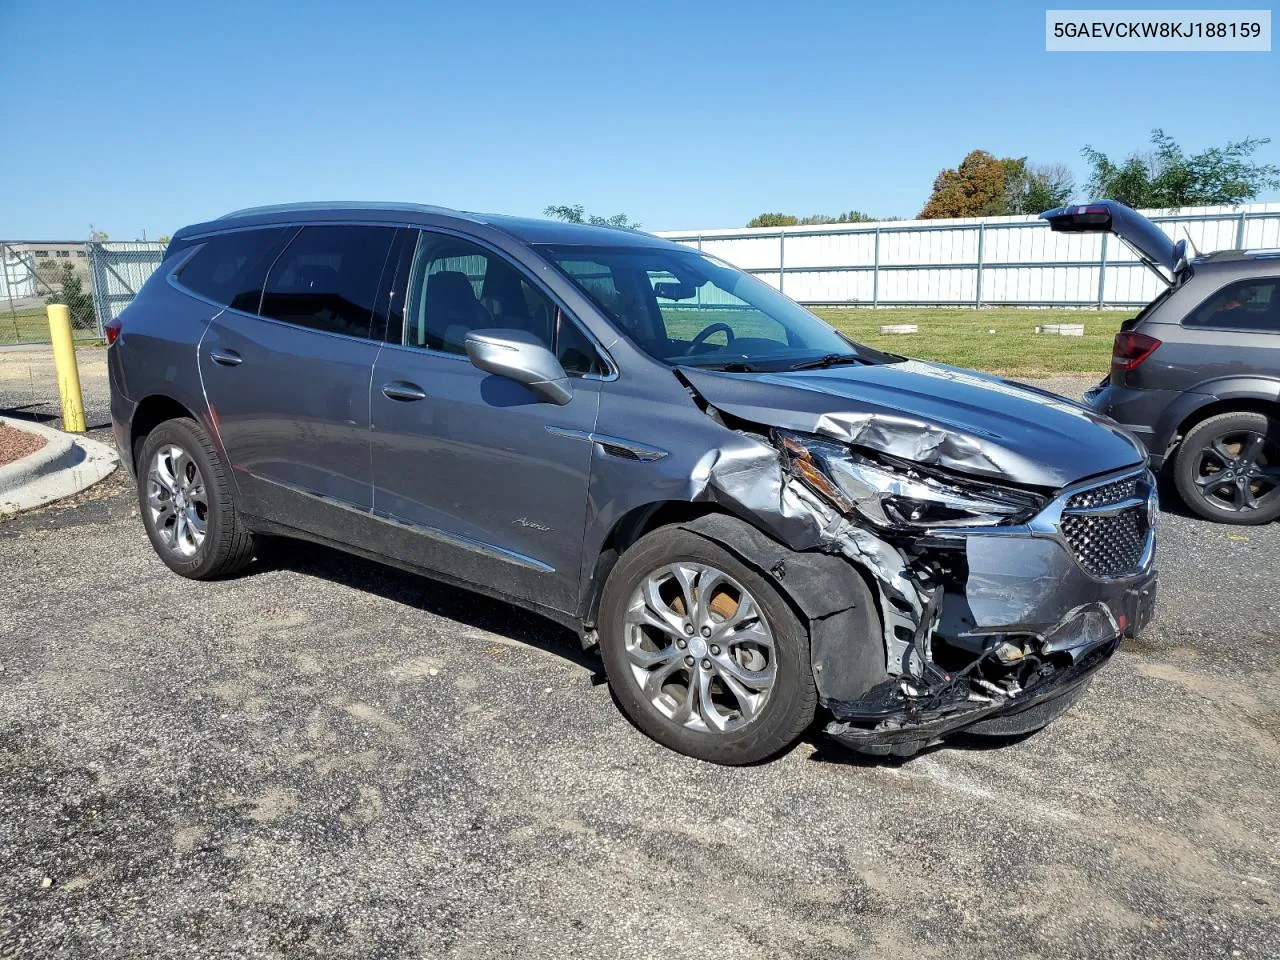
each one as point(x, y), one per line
point(404, 391)
point(228, 358)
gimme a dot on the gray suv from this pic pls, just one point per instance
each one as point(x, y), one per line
point(757, 520)
point(1196, 374)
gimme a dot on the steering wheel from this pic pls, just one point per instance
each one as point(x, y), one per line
point(707, 331)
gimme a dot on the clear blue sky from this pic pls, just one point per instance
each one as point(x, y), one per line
point(692, 114)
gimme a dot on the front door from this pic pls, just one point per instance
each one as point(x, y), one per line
point(288, 384)
point(474, 475)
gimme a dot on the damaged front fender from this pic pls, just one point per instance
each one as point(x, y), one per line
point(959, 626)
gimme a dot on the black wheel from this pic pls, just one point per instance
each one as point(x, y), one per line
point(702, 652)
point(184, 495)
point(1228, 468)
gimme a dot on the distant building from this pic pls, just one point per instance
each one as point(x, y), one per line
point(30, 268)
point(55, 251)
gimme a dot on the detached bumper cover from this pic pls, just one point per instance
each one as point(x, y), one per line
point(900, 722)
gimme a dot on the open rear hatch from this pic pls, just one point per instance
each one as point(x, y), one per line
point(1165, 257)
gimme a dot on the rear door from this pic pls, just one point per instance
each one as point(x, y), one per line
point(287, 379)
point(475, 476)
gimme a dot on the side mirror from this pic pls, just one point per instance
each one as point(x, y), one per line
point(521, 357)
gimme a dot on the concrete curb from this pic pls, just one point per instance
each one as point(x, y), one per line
point(65, 465)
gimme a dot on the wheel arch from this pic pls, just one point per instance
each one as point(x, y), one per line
point(149, 414)
point(830, 594)
point(1240, 403)
point(629, 528)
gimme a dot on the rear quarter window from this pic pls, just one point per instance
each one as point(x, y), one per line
point(1248, 305)
point(230, 269)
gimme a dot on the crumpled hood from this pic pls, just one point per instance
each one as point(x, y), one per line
point(930, 413)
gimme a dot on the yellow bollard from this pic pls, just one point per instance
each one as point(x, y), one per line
point(64, 365)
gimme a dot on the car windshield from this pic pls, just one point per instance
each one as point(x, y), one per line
point(684, 307)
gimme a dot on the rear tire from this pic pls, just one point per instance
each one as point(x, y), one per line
point(1243, 449)
point(738, 688)
point(187, 505)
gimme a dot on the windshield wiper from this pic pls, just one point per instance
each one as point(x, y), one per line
point(734, 366)
point(830, 360)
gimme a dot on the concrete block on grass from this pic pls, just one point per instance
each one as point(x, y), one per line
point(1062, 329)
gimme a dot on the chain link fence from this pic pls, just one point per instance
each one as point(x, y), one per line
point(96, 280)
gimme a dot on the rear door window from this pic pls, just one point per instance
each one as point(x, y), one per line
point(230, 269)
point(1252, 305)
point(327, 279)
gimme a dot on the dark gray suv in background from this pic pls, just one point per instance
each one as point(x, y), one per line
point(754, 518)
point(1196, 374)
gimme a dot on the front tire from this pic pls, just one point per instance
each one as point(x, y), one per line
point(187, 506)
point(702, 652)
point(1228, 468)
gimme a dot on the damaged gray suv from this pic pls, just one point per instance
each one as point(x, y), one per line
point(758, 521)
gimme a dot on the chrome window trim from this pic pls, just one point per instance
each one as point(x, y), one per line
point(222, 308)
point(611, 366)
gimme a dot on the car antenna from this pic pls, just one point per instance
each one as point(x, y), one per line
point(1194, 250)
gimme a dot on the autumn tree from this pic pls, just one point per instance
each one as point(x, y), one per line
point(974, 189)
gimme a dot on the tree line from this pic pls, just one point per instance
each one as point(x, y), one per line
point(1164, 175)
point(984, 185)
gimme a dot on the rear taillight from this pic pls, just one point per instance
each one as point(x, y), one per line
point(112, 330)
point(1131, 348)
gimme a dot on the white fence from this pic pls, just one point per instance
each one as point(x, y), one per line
point(980, 261)
point(118, 269)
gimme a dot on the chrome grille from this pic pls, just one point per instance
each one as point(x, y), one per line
point(1106, 494)
point(1109, 543)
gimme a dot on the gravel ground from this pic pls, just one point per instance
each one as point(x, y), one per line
point(29, 387)
point(16, 444)
point(328, 757)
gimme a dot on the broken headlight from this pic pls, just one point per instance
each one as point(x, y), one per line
point(899, 494)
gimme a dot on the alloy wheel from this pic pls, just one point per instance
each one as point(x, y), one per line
point(177, 500)
point(699, 647)
point(1238, 471)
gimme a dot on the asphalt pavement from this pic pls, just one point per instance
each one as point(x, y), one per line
point(326, 757)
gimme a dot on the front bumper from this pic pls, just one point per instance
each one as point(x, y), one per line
point(1024, 621)
point(863, 727)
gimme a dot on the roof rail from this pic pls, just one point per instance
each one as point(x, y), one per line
point(339, 205)
point(1220, 256)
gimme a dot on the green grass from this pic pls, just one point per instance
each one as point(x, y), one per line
point(963, 338)
point(31, 325)
point(955, 336)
